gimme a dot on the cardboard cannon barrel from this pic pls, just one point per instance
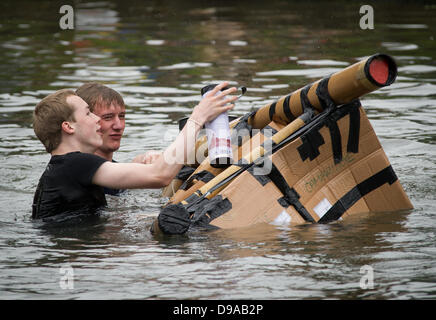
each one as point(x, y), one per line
point(365, 76)
point(361, 78)
point(323, 165)
point(372, 73)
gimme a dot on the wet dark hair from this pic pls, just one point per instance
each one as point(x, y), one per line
point(95, 93)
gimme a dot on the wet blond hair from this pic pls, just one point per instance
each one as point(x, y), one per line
point(48, 116)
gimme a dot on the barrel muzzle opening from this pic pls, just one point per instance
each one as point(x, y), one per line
point(381, 70)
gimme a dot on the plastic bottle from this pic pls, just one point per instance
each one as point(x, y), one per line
point(218, 137)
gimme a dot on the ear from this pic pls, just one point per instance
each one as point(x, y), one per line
point(67, 127)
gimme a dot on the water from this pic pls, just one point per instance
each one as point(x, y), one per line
point(159, 55)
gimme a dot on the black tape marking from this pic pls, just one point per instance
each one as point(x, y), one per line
point(192, 198)
point(312, 140)
point(287, 109)
point(174, 219)
point(242, 163)
point(387, 175)
point(354, 131)
point(335, 136)
point(203, 175)
point(308, 108)
point(268, 127)
point(206, 210)
point(263, 179)
point(289, 194)
point(272, 110)
point(242, 126)
point(323, 95)
point(185, 173)
point(310, 146)
point(179, 218)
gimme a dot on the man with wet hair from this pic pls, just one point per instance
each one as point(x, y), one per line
point(73, 181)
point(109, 105)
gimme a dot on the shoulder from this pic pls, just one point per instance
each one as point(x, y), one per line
point(82, 166)
point(82, 155)
point(85, 159)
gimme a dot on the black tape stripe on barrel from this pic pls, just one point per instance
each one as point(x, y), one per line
point(305, 103)
point(290, 196)
point(244, 119)
point(272, 110)
point(387, 175)
point(242, 129)
point(323, 94)
point(287, 109)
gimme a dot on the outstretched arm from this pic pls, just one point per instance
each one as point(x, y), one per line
point(164, 168)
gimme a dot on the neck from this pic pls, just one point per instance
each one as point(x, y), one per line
point(105, 155)
point(63, 150)
point(67, 147)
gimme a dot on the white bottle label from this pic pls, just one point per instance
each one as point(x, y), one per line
point(218, 137)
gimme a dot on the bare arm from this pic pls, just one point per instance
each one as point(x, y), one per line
point(164, 168)
point(131, 175)
point(148, 158)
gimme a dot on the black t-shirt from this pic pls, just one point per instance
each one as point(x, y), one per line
point(111, 191)
point(66, 186)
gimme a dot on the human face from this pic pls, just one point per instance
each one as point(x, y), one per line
point(112, 127)
point(87, 131)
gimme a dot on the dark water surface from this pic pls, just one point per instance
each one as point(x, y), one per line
point(158, 54)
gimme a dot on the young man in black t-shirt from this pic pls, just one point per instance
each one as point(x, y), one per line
point(109, 105)
point(74, 178)
point(66, 186)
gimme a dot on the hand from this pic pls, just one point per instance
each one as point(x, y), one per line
point(214, 104)
point(148, 158)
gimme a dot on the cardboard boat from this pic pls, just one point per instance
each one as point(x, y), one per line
point(309, 157)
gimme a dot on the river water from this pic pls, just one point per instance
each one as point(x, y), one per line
point(158, 55)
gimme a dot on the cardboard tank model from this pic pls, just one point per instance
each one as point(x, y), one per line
point(309, 157)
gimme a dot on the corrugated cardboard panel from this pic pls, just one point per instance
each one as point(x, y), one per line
point(387, 197)
point(307, 172)
point(319, 203)
point(255, 204)
point(320, 183)
point(244, 193)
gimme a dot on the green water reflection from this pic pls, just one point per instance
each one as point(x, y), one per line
point(119, 33)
